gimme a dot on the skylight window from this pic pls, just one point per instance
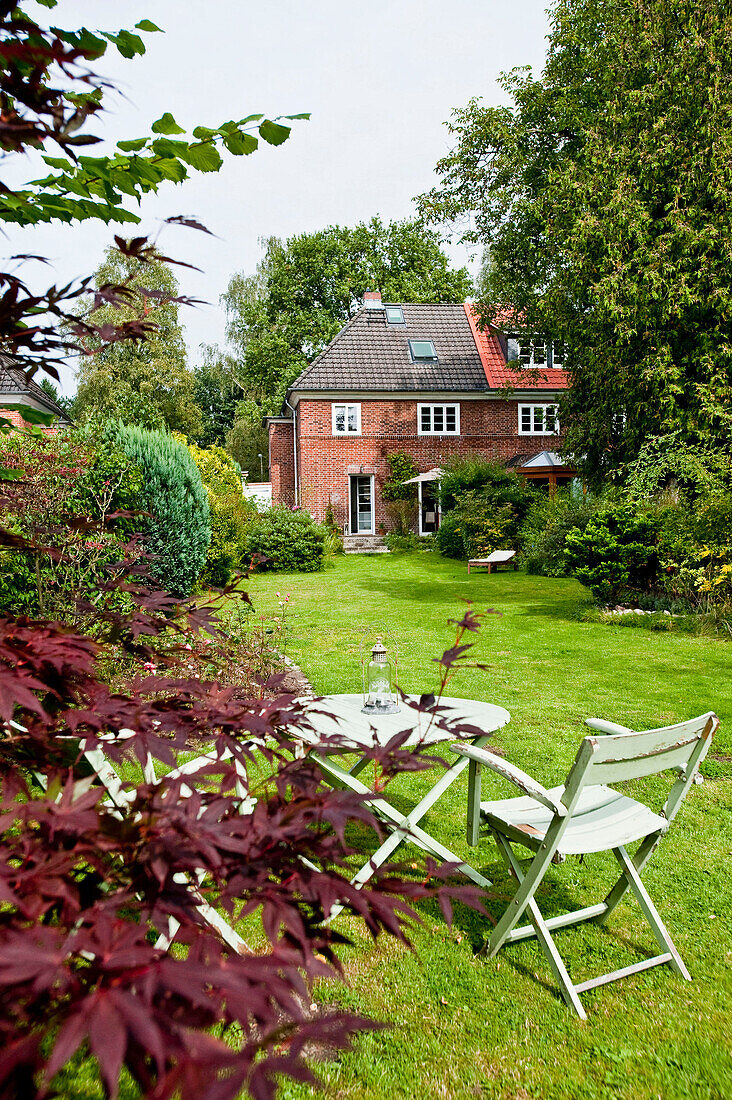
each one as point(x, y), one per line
point(422, 351)
point(394, 315)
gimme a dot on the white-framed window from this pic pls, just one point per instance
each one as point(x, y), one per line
point(534, 351)
point(346, 418)
point(538, 420)
point(438, 419)
point(557, 359)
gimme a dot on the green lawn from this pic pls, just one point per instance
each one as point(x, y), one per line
point(465, 1027)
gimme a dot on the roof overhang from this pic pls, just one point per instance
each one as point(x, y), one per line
point(431, 475)
point(18, 400)
point(420, 395)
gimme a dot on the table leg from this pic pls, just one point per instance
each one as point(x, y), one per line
point(403, 827)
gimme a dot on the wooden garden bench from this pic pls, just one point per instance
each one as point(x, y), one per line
point(498, 557)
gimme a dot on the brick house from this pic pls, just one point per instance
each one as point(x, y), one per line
point(416, 378)
point(16, 390)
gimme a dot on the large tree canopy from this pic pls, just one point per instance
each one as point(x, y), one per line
point(145, 382)
point(306, 289)
point(605, 195)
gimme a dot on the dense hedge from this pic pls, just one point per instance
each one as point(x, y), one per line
point(616, 552)
point(178, 530)
point(53, 479)
point(289, 540)
point(661, 539)
point(544, 532)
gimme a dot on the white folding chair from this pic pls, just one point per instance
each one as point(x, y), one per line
point(121, 798)
point(582, 816)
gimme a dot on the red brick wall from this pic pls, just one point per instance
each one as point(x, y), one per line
point(15, 418)
point(281, 463)
point(325, 461)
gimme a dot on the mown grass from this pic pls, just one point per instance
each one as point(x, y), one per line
point(461, 1026)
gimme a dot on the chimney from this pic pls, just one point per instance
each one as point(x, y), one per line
point(372, 299)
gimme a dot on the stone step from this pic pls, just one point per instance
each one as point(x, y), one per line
point(364, 544)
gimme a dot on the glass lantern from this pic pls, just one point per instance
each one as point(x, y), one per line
point(379, 696)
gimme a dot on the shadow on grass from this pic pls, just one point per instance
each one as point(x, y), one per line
point(567, 607)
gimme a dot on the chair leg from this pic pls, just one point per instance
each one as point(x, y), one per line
point(641, 857)
point(561, 974)
point(650, 912)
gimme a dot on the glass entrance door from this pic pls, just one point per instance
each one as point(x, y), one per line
point(429, 507)
point(362, 506)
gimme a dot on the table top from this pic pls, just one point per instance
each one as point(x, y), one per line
point(345, 720)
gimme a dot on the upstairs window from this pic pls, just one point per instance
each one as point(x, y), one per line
point(534, 351)
point(394, 315)
point(557, 359)
point(438, 420)
point(538, 420)
point(422, 351)
point(346, 419)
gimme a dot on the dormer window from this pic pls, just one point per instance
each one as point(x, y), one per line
point(534, 351)
point(422, 351)
point(394, 315)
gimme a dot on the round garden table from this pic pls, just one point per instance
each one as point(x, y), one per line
point(338, 727)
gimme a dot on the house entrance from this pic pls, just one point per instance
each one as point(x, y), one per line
point(429, 507)
point(362, 505)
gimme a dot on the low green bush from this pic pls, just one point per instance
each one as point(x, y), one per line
point(402, 543)
point(543, 534)
point(449, 537)
point(287, 540)
point(616, 552)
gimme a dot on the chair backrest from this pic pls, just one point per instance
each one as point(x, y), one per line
point(612, 758)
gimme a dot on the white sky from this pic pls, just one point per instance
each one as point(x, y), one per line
point(380, 79)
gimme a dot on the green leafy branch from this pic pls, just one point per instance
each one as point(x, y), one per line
point(96, 187)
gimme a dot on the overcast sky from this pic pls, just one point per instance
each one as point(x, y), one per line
point(380, 78)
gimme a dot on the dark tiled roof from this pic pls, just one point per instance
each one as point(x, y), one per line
point(369, 354)
point(15, 383)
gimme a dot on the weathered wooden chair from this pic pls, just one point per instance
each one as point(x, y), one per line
point(586, 815)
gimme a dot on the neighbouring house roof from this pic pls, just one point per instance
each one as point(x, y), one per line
point(17, 389)
point(370, 354)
